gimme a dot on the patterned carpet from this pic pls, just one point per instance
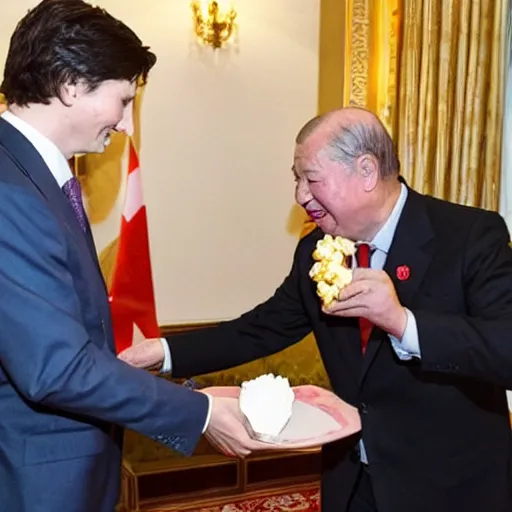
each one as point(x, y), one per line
point(305, 500)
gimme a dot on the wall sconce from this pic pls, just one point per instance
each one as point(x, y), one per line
point(213, 26)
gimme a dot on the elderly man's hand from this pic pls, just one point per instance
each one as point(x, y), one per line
point(147, 354)
point(371, 295)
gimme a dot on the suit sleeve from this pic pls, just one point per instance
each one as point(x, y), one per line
point(271, 327)
point(46, 352)
point(479, 343)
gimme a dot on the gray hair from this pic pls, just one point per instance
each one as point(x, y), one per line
point(352, 140)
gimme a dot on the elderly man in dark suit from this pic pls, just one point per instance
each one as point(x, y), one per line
point(70, 80)
point(420, 341)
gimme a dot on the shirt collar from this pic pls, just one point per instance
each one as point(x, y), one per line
point(49, 152)
point(382, 240)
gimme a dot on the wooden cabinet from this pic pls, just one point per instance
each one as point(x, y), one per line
point(208, 476)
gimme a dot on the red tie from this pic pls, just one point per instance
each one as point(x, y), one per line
point(365, 326)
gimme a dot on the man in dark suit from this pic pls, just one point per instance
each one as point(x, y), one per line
point(70, 79)
point(437, 305)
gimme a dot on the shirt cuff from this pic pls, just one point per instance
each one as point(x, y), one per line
point(167, 364)
point(409, 346)
point(207, 422)
point(167, 368)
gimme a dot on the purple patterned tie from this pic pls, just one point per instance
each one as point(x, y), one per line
point(73, 192)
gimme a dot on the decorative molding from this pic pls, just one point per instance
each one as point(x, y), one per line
point(332, 55)
point(170, 329)
point(371, 40)
point(358, 51)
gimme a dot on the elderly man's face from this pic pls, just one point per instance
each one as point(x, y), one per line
point(332, 193)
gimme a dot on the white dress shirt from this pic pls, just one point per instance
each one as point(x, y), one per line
point(167, 368)
point(408, 347)
point(49, 152)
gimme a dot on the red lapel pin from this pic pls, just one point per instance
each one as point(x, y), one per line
point(403, 272)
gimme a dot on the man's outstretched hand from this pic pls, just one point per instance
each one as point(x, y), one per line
point(226, 430)
point(147, 354)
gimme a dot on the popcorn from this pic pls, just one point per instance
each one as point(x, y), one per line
point(267, 403)
point(330, 271)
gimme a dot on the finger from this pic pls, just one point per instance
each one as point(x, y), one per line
point(125, 355)
point(259, 446)
point(355, 306)
point(231, 448)
point(349, 313)
point(147, 354)
point(353, 290)
point(128, 359)
point(243, 452)
point(132, 353)
point(362, 273)
point(220, 448)
point(356, 301)
point(227, 446)
point(371, 276)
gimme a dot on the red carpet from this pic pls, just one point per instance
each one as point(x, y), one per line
point(303, 500)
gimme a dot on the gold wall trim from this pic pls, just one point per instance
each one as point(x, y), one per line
point(331, 65)
point(357, 55)
point(170, 329)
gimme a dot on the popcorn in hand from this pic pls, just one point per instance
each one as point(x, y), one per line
point(330, 271)
point(267, 403)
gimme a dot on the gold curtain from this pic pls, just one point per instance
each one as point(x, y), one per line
point(433, 70)
point(450, 100)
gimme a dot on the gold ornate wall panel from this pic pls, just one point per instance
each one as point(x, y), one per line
point(331, 55)
point(371, 68)
point(367, 33)
point(357, 83)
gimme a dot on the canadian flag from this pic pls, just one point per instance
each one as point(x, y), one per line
point(132, 299)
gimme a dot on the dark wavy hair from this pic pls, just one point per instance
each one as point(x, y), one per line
point(68, 41)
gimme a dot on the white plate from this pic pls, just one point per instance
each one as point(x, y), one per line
point(318, 417)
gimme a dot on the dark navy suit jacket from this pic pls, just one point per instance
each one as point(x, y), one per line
point(62, 388)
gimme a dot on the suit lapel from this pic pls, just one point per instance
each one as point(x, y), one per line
point(92, 249)
point(30, 163)
point(409, 248)
point(345, 335)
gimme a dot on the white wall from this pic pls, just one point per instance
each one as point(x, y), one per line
point(217, 147)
